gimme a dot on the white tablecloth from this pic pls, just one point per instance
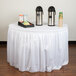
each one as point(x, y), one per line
point(40, 48)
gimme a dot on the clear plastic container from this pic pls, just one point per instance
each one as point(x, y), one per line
point(21, 18)
point(60, 19)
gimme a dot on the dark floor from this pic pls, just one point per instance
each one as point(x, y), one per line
point(68, 70)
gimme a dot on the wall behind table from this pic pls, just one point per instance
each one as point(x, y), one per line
point(10, 9)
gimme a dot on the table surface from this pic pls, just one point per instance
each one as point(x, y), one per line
point(37, 28)
point(39, 48)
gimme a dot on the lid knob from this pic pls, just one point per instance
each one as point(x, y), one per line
point(39, 9)
point(51, 9)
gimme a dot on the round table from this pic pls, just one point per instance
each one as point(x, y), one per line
point(37, 49)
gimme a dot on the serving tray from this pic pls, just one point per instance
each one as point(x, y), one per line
point(25, 26)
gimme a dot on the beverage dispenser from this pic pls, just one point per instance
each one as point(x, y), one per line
point(39, 16)
point(51, 16)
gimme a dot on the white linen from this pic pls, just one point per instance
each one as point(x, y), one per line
point(39, 48)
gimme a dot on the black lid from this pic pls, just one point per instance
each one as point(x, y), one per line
point(39, 8)
point(51, 9)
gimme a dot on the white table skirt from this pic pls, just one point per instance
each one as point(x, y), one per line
point(40, 48)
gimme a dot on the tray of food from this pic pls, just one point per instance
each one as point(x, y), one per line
point(25, 24)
